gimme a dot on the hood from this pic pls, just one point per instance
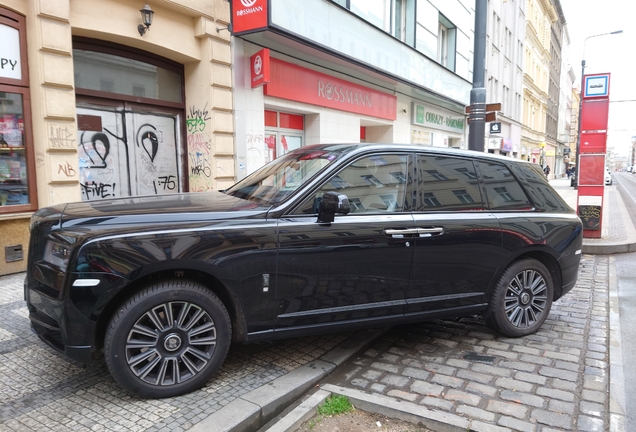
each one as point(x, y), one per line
point(160, 209)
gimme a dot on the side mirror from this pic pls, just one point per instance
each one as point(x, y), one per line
point(330, 204)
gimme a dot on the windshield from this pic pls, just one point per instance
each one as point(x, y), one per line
point(278, 179)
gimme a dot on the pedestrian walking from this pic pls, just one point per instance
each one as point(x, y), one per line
point(546, 171)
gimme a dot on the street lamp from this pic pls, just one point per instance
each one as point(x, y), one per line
point(578, 138)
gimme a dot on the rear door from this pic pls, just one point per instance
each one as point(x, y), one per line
point(353, 269)
point(459, 242)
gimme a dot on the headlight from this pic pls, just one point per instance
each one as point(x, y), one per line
point(57, 254)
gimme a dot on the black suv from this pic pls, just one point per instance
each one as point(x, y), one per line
point(325, 238)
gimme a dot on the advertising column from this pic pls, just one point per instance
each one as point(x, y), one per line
point(594, 119)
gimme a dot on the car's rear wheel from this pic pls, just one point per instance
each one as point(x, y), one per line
point(168, 339)
point(521, 301)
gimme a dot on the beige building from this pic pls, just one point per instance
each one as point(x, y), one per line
point(540, 14)
point(95, 105)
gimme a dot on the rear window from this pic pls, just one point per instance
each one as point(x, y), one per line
point(542, 195)
point(503, 191)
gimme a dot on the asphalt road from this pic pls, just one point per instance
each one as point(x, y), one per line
point(626, 278)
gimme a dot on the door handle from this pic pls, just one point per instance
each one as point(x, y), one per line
point(400, 233)
point(428, 232)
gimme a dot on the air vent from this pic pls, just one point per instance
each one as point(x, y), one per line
point(14, 253)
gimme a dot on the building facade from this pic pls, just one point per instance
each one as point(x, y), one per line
point(504, 75)
point(97, 105)
point(540, 14)
point(554, 152)
point(566, 106)
point(392, 71)
point(574, 124)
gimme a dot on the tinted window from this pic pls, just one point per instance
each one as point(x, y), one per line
point(502, 189)
point(542, 195)
point(447, 184)
point(374, 184)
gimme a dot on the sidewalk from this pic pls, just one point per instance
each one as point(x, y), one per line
point(618, 233)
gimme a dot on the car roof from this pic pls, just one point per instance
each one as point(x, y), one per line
point(354, 148)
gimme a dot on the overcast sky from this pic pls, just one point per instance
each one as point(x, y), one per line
point(615, 54)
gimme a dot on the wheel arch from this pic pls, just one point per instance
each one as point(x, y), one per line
point(544, 257)
point(209, 281)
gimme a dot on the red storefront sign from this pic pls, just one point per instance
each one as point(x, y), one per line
point(259, 68)
point(248, 16)
point(292, 82)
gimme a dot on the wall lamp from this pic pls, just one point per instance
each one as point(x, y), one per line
point(146, 18)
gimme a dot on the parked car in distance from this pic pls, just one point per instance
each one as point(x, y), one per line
point(325, 238)
point(608, 178)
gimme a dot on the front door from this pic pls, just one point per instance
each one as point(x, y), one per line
point(353, 269)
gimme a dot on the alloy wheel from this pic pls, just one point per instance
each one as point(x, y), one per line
point(171, 343)
point(526, 299)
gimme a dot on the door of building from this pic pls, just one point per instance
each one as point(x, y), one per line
point(127, 150)
point(278, 143)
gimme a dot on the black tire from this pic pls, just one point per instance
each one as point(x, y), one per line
point(521, 301)
point(168, 339)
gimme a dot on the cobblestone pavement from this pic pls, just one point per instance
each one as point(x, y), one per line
point(40, 390)
point(556, 379)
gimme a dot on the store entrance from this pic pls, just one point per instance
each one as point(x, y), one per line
point(279, 143)
point(126, 150)
point(284, 132)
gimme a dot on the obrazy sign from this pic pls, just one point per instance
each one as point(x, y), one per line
point(248, 16)
point(437, 119)
point(292, 82)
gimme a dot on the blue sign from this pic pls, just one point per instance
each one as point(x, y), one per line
point(596, 86)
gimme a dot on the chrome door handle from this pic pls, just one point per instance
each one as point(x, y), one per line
point(400, 233)
point(428, 232)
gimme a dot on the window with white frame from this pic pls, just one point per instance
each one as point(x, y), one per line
point(446, 43)
point(389, 15)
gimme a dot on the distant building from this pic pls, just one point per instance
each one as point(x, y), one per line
point(540, 15)
point(504, 75)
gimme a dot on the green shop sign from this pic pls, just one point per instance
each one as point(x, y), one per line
point(437, 119)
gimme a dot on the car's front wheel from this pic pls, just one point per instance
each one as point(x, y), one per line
point(168, 339)
point(521, 301)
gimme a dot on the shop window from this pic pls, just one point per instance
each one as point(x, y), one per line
point(14, 182)
point(17, 170)
point(363, 134)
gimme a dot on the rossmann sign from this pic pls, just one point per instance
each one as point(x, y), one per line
point(293, 82)
point(249, 16)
